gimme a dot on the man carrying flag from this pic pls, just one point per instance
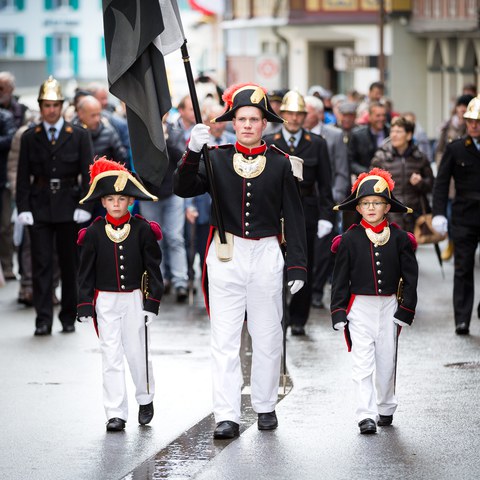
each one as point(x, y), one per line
point(256, 188)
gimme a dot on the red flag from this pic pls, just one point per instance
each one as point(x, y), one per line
point(138, 33)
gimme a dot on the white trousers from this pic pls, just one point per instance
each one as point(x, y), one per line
point(121, 328)
point(373, 334)
point(251, 282)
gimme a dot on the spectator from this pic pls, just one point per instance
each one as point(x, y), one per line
point(376, 92)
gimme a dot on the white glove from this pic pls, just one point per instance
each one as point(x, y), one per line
point(295, 285)
point(399, 322)
point(149, 317)
point(440, 224)
point(25, 218)
point(324, 228)
point(85, 319)
point(340, 326)
point(81, 216)
point(199, 136)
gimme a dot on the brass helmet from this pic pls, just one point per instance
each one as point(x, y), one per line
point(293, 102)
point(51, 90)
point(473, 109)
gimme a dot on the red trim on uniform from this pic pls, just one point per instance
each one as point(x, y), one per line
point(373, 268)
point(407, 309)
point(301, 268)
point(116, 264)
point(204, 271)
point(243, 206)
point(350, 302)
point(377, 229)
point(118, 221)
point(251, 151)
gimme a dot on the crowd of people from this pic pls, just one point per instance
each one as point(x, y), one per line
point(46, 162)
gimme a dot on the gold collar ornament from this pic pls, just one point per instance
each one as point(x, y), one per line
point(119, 235)
point(248, 167)
point(378, 239)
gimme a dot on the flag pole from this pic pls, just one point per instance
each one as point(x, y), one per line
point(208, 163)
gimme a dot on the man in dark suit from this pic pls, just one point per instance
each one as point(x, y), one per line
point(53, 174)
point(315, 190)
point(461, 161)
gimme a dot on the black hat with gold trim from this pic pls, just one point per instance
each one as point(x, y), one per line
point(376, 182)
point(111, 178)
point(247, 95)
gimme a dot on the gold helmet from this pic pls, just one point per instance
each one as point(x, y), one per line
point(51, 90)
point(293, 102)
point(473, 109)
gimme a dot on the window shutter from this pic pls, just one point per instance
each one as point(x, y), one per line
point(19, 45)
point(49, 54)
point(74, 52)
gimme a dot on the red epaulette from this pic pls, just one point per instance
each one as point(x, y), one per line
point(83, 231)
point(154, 226)
point(278, 150)
point(336, 240)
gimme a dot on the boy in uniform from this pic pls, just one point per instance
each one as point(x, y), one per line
point(372, 260)
point(120, 287)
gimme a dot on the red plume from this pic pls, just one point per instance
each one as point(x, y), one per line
point(227, 96)
point(379, 173)
point(102, 164)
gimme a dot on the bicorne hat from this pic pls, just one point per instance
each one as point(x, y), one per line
point(247, 95)
point(111, 178)
point(376, 182)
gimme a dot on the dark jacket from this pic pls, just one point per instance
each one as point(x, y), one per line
point(461, 161)
point(118, 267)
point(251, 208)
point(401, 168)
point(7, 130)
point(316, 186)
point(51, 179)
point(361, 148)
point(361, 268)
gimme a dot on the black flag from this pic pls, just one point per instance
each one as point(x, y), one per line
point(138, 33)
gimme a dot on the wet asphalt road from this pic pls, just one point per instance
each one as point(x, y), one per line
point(53, 423)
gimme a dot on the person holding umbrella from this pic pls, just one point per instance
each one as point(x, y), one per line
point(120, 287)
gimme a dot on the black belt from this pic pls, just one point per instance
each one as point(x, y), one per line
point(468, 195)
point(308, 191)
point(55, 184)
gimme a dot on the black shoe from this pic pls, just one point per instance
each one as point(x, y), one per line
point(43, 330)
point(226, 429)
point(462, 329)
point(368, 426)
point(297, 330)
point(115, 425)
point(385, 420)
point(145, 413)
point(68, 328)
point(267, 421)
point(182, 294)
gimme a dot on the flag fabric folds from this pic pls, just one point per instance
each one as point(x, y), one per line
point(138, 33)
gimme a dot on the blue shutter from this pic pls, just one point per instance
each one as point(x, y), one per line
point(49, 54)
point(48, 5)
point(19, 45)
point(19, 4)
point(74, 52)
point(74, 4)
point(102, 47)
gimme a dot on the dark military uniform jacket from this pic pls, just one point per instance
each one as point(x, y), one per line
point(51, 179)
point(361, 268)
point(461, 161)
point(119, 267)
point(251, 208)
point(316, 186)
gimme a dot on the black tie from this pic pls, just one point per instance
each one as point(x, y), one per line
point(52, 131)
point(291, 143)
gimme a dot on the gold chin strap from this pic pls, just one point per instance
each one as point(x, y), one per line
point(378, 239)
point(119, 235)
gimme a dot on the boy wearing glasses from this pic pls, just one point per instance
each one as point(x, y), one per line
point(374, 294)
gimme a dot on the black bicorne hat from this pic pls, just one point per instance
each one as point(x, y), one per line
point(111, 178)
point(247, 95)
point(376, 182)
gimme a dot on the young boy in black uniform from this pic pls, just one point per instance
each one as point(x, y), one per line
point(118, 253)
point(372, 260)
